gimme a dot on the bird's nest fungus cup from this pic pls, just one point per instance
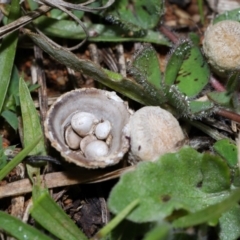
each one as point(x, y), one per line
point(89, 127)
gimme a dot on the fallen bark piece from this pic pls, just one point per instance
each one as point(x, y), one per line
point(60, 179)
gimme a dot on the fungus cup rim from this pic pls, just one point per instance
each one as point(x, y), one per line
point(54, 127)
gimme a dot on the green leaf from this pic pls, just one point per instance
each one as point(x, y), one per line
point(58, 14)
point(7, 53)
point(149, 72)
point(3, 157)
point(199, 109)
point(186, 75)
point(4, 152)
point(195, 38)
point(16, 228)
point(226, 149)
point(216, 174)
point(12, 98)
point(187, 69)
point(233, 82)
point(236, 177)
point(232, 87)
point(51, 217)
point(98, 32)
point(31, 123)
point(32, 4)
point(16, 160)
point(171, 183)
point(229, 224)
point(175, 62)
point(141, 14)
point(32, 87)
point(221, 98)
point(210, 212)
point(10, 108)
point(228, 15)
point(31, 126)
point(194, 73)
point(146, 74)
point(11, 118)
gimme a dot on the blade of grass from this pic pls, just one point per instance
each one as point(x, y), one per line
point(115, 221)
point(126, 86)
point(32, 4)
point(31, 125)
point(200, 8)
point(18, 229)
point(215, 134)
point(161, 231)
point(209, 213)
point(31, 121)
point(16, 160)
point(51, 217)
point(11, 118)
point(7, 53)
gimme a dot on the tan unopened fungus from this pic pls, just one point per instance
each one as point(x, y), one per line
point(221, 6)
point(154, 132)
point(221, 46)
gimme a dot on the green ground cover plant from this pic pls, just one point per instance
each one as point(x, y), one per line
point(188, 189)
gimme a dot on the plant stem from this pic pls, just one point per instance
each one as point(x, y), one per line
point(200, 9)
point(172, 37)
point(229, 114)
point(216, 84)
point(116, 220)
